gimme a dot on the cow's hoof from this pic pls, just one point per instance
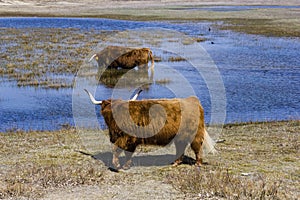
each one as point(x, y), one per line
point(116, 164)
point(176, 163)
point(126, 166)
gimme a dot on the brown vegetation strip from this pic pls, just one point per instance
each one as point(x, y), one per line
point(256, 161)
point(34, 57)
point(276, 21)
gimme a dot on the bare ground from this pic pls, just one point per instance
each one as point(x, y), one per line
point(94, 7)
point(258, 161)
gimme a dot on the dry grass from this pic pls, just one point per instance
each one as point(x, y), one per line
point(33, 162)
point(32, 179)
point(275, 22)
point(37, 57)
point(268, 22)
point(163, 81)
point(267, 27)
point(219, 183)
point(256, 161)
point(50, 58)
point(175, 59)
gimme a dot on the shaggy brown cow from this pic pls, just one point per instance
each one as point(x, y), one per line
point(180, 120)
point(123, 57)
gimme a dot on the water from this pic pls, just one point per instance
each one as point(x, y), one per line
point(81, 23)
point(37, 109)
point(261, 76)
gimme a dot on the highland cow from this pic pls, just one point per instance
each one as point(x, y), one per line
point(123, 57)
point(155, 122)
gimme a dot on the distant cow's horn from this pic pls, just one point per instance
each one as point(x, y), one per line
point(94, 101)
point(93, 56)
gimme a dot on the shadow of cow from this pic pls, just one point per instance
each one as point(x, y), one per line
point(143, 160)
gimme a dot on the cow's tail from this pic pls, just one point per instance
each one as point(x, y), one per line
point(209, 144)
point(93, 56)
point(152, 59)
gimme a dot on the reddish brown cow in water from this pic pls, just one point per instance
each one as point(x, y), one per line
point(180, 120)
point(123, 57)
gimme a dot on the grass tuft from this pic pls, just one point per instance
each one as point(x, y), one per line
point(221, 183)
point(31, 179)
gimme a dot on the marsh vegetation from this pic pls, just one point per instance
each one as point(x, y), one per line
point(280, 18)
point(256, 160)
point(45, 58)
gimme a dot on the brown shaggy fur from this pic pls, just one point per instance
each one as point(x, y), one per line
point(154, 122)
point(124, 57)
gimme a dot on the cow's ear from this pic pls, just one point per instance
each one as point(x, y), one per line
point(105, 103)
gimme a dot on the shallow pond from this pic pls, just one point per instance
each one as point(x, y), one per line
point(261, 76)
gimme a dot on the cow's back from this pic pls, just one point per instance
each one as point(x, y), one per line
point(156, 121)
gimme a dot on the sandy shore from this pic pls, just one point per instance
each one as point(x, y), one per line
point(94, 7)
point(265, 21)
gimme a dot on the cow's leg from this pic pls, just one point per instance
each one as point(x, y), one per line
point(196, 146)
point(128, 162)
point(128, 155)
point(180, 147)
point(116, 152)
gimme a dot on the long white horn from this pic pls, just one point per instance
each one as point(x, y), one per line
point(93, 56)
point(93, 100)
point(136, 95)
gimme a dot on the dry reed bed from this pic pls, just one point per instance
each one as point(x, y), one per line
point(50, 57)
point(277, 22)
point(280, 21)
point(47, 58)
point(256, 161)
